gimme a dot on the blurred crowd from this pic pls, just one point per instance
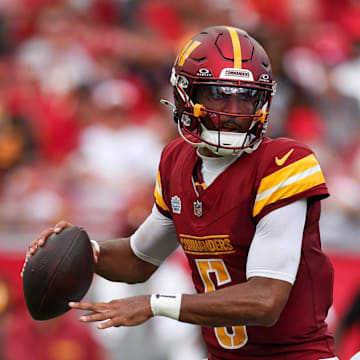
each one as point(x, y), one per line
point(82, 129)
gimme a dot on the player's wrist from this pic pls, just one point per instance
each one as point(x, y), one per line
point(166, 305)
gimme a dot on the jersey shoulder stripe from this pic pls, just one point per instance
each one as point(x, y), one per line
point(169, 159)
point(158, 193)
point(290, 180)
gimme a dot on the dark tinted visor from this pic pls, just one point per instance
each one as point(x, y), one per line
point(223, 93)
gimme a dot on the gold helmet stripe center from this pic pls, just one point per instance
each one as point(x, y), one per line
point(236, 46)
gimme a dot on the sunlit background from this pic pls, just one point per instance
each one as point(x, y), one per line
point(81, 132)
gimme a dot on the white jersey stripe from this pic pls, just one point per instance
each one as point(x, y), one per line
point(291, 180)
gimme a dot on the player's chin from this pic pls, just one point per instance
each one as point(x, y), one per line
point(234, 124)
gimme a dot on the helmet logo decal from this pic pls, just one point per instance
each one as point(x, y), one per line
point(264, 77)
point(186, 51)
point(236, 46)
point(236, 74)
point(204, 72)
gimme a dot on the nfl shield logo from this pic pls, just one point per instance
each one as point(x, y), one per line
point(198, 208)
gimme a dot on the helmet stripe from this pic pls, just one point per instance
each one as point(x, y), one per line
point(236, 46)
point(180, 54)
point(185, 54)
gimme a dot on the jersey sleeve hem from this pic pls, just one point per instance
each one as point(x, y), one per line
point(319, 193)
point(143, 256)
point(270, 274)
point(163, 212)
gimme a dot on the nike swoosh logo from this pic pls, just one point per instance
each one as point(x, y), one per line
point(281, 161)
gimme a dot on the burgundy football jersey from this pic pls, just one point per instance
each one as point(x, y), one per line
point(215, 226)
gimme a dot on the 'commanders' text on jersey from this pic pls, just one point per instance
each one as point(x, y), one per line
point(215, 226)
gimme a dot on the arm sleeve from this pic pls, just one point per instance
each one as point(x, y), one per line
point(276, 247)
point(155, 239)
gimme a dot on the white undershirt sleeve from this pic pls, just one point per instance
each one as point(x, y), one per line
point(276, 247)
point(274, 252)
point(155, 239)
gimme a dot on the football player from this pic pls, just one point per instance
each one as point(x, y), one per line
point(244, 208)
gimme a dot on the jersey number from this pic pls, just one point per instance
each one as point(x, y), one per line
point(237, 337)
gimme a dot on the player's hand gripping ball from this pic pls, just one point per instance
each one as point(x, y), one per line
point(60, 271)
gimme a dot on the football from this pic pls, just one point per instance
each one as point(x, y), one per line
point(60, 271)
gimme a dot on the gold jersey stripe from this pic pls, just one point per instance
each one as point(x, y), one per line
point(158, 180)
point(185, 53)
point(284, 173)
point(296, 184)
point(159, 200)
point(290, 180)
point(158, 193)
point(236, 46)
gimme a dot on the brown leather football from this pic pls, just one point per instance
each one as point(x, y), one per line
point(60, 271)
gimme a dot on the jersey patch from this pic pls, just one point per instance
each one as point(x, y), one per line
point(176, 204)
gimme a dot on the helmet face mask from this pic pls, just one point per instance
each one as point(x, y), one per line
point(229, 103)
point(223, 86)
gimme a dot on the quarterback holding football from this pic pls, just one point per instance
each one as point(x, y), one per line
point(244, 208)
